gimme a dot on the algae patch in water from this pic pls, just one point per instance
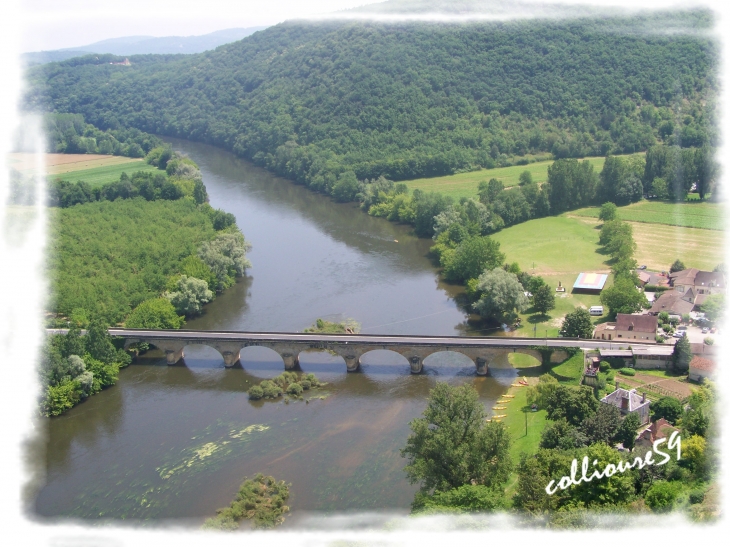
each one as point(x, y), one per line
point(196, 455)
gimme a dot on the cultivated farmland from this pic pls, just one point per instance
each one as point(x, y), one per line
point(93, 169)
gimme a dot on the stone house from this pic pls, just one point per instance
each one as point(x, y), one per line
point(701, 368)
point(629, 402)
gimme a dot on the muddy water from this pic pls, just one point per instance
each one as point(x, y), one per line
point(176, 442)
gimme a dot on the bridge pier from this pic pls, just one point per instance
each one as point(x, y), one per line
point(416, 364)
point(291, 361)
point(230, 352)
point(482, 367)
point(174, 356)
point(352, 362)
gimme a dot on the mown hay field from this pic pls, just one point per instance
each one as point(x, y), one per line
point(709, 216)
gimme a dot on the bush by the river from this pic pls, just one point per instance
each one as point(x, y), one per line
point(348, 326)
point(74, 367)
point(261, 499)
point(287, 382)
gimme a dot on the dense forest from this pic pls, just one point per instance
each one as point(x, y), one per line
point(321, 103)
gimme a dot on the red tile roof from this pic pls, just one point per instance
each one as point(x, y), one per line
point(702, 363)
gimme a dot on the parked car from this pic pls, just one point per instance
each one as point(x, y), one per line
point(705, 330)
point(678, 334)
point(642, 267)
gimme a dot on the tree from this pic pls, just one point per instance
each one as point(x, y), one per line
point(623, 297)
point(577, 324)
point(501, 295)
point(603, 425)
point(346, 187)
point(452, 445)
point(156, 313)
point(471, 257)
point(677, 266)
point(560, 434)
point(608, 211)
point(226, 257)
point(714, 306)
point(693, 454)
point(662, 495)
point(574, 403)
point(668, 408)
point(98, 341)
point(488, 191)
point(543, 299)
point(525, 178)
point(682, 354)
point(540, 393)
point(626, 433)
point(189, 295)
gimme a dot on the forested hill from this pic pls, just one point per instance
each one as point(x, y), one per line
point(314, 100)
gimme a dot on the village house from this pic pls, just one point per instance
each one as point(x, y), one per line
point(689, 289)
point(629, 402)
point(642, 328)
point(660, 429)
point(701, 368)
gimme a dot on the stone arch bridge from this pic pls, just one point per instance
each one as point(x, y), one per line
point(351, 347)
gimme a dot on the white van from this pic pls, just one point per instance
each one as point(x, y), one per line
point(596, 310)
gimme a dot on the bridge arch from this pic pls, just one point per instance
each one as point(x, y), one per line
point(378, 354)
point(454, 355)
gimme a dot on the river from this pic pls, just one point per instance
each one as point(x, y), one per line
point(175, 442)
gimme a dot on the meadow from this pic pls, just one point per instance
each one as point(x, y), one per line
point(659, 245)
point(466, 184)
point(557, 249)
point(705, 215)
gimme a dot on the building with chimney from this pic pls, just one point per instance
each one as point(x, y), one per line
point(629, 402)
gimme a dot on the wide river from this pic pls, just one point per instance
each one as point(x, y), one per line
point(175, 442)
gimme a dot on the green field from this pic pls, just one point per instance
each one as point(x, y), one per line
point(466, 184)
point(705, 215)
point(515, 423)
point(102, 175)
point(557, 249)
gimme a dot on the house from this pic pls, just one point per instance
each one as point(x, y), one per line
point(660, 429)
point(703, 349)
point(605, 331)
point(629, 402)
point(641, 328)
point(701, 368)
point(699, 281)
point(674, 303)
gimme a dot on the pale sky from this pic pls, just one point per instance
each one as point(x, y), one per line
point(55, 24)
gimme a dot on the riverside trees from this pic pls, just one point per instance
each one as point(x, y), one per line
point(451, 447)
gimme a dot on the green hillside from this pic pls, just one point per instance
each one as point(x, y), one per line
point(311, 101)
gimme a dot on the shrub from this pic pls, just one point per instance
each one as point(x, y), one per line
point(696, 496)
point(312, 379)
point(627, 371)
point(662, 495)
point(709, 341)
point(255, 393)
point(603, 366)
point(611, 376)
point(270, 389)
point(294, 389)
point(306, 384)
